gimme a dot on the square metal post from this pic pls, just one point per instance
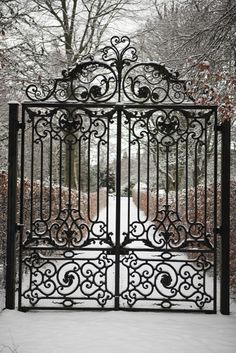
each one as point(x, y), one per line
point(225, 220)
point(11, 210)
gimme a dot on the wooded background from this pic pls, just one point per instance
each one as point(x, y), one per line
point(40, 38)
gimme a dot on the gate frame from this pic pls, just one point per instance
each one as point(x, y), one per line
point(11, 207)
point(224, 230)
point(13, 227)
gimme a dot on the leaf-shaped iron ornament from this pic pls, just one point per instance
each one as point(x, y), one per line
point(113, 77)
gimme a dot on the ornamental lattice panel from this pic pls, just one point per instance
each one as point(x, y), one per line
point(118, 192)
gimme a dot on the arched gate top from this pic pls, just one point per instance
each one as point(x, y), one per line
point(117, 76)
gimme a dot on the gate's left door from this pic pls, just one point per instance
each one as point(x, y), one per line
point(69, 215)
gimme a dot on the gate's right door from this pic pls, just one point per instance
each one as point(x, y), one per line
point(168, 208)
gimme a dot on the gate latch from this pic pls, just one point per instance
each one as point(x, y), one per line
point(19, 226)
point(20, 126)
point(218, 230)
point(114, 250)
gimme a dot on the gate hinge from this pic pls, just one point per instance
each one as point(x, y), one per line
point(19, 226)
point(20, 126)
point(218, 231)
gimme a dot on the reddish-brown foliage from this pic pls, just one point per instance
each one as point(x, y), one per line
point(200, 216)
point(214, 87)
point(59, 199)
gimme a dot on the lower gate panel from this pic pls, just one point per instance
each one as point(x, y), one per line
point(80, 280)
point(69, 279)
point(167, 281)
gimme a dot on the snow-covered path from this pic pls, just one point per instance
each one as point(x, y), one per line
point(128, 215)
point(116, 332)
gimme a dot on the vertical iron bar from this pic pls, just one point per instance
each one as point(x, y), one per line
point(148, 176)
point(79, 176)
point(225, 218)
point(195, 181)
point(129, 173)
point(215, 208)
point(98, 173)
point(50, 176)
point(21, 206)
point(32, 172)
point(177, 178)
point(139, 183)
point(157, 178)
point(205, 175)
point(70, 149)
point(108, 174)
point(118, 182)
point(60, 177)
point(88, 181)
point(167, 176)
point(186, 181)
point(41, 178)
point(11, 210)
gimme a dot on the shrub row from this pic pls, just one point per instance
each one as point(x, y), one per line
point(196, 209)
point(52, 199)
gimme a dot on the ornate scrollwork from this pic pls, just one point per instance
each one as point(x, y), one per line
point(68, 280)
point(168, 232)
point(65, 124)
point(166, 127)
point(153, 82)
point(73, 141)
point(68, 229)
point(70, 224)
point(120, 53)
point(86, 81)
point(113, 76)
point(166, 282)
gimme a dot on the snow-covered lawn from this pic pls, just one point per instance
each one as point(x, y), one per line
point(117, 332)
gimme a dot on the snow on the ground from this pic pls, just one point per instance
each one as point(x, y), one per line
point(116, 332)
point(125, 212)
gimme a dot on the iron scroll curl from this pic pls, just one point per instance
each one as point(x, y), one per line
point(105, 121)
point(114, 76)
point(86, 81)
point(153, 82)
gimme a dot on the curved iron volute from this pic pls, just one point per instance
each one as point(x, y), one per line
point(115, 76)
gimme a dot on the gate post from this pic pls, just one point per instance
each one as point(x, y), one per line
point(225, 219)
point(11, 209)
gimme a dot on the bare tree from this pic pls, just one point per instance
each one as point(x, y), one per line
point(200, 29)
point(196, 37)
point(48, 36)
point(71, 29)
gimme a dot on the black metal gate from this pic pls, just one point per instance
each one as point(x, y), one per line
point(118, 188)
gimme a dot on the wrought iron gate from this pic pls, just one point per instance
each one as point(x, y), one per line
point(118, 190)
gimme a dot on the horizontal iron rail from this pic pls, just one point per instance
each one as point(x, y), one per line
point(126, 249)
point(196, 311)
point(114, 104)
